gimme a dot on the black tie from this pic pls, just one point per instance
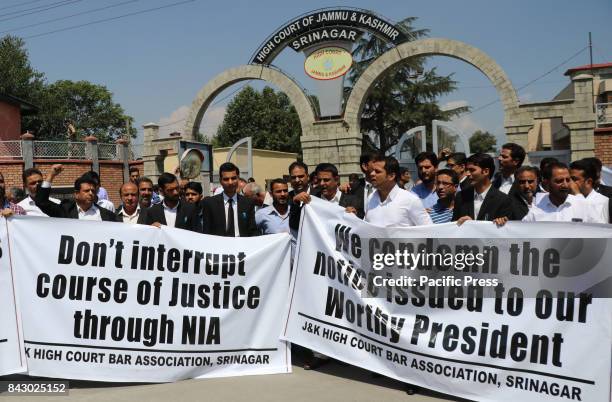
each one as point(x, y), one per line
point(230, 218)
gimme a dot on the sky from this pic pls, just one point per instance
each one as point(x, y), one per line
point(155, 62)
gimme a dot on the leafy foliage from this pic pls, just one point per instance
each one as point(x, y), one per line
point(482, 141)
point(66, 109)
point(267, 116)
point(404, 97)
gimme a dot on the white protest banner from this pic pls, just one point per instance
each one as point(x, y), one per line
point(538, 328)
point(12, 358)
point(116, 302)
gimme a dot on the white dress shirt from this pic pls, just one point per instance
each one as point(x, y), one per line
point(106, 204)
point(574, 209)
point(335, 199)
point(170, 214)
point(235, 207)
point(131, 218)
point(506, 184)
point(478, 200)
point(30, 207)
point(599, 202)
point(400, 208)
point(92, 214)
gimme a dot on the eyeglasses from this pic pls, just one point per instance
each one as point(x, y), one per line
point(526, 181)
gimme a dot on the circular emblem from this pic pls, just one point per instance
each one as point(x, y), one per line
point(328, 63)
point(191, 163)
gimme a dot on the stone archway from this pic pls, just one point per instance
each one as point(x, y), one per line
point(431, 47)
point(242, 73)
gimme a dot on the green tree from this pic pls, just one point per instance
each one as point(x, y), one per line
point(87, 107)
point(404, 97)
point(482, 141)
point(17, 77)
point(267, 116)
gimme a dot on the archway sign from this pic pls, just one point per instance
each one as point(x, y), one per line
point(326, 37)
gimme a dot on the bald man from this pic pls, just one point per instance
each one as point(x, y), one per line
point(129, 211)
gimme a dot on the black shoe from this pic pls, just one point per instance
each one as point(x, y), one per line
point(411, 389)
point(315, 362)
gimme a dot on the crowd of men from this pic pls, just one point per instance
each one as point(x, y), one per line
point(464, 188)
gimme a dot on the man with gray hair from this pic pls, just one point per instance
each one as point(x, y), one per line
point(255, 193)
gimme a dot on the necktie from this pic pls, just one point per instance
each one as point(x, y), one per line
point(230, 218)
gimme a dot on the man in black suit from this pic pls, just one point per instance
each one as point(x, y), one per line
point(523, 191)
point(456, 162)
point(171, 211)
point(600, 188)
point(481, 201)
point(82, 207)
point(229, 214)
point(329, 179)
point(510, 158)
point(299, 179)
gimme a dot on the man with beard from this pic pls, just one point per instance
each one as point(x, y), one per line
point(584, 177)
point(129, 211)
point(559, 205)
point(427, 163)
point(193, 192)
point(145, 192)
point(83, 206)
point(275, 218)
point(510, 159)
point(329, 179)
point(446, 187)
point(171, 211)
point(456, 162)
point(523, 192)
point(481, 201)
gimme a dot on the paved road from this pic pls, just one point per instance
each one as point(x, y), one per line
point(333, 382)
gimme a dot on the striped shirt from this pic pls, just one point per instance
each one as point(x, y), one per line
point(439, 214)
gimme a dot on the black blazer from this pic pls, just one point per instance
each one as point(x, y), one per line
point(186, 216)
point(495, 205)
point(464, 184)
point(67, 208)
point(519, 207)
point(213, 214)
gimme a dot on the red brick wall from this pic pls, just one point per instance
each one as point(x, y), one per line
point(11, 170)
point(111, 173)
point(603, 145)
point(111, 178)
point(10, 122)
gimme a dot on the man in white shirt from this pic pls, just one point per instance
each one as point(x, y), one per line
point(389, 205)
point(559, 205)
point(584, 177)
point(33, 177)
point(510, 158)
point(129, 211)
